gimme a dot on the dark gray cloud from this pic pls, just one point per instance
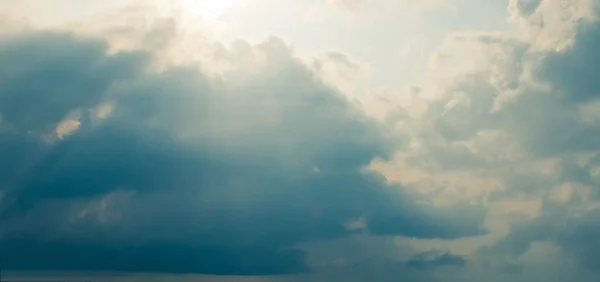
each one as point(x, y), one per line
point(432, 260)
point(573, 72)
point(524, 8)
point(580, 239)
point(188, 173)
point(47, 75)
point(26, 254)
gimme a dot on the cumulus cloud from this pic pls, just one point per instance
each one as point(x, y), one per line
point(111, 164)
point(515, 109)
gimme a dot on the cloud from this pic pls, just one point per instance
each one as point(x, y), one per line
point(514, 109)
point(78, 71)
point(523, 8)
point(569, 72)
point(115, 165)
point(487, 170)
point(431, 260)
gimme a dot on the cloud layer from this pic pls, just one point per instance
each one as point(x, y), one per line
point(121, 153)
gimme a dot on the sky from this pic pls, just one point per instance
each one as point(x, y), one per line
point(300, 140)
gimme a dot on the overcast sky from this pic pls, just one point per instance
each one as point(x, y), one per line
point(300, 140)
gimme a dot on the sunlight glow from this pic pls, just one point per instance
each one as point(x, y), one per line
point(209, 9)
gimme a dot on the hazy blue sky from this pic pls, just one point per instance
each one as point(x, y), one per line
point(306, 140)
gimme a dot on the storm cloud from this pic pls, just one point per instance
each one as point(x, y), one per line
point(112, 165)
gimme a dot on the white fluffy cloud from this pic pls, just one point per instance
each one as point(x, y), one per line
point(510, 120)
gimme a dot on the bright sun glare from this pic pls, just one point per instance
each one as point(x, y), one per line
point(209, 9)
